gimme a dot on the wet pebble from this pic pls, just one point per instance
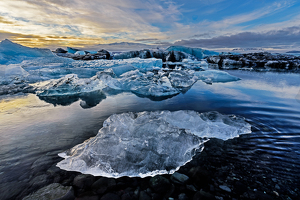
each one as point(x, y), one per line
point(225, 188)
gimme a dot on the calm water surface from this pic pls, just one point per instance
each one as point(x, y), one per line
point(31, 128)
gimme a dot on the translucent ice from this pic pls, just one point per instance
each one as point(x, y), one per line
point(80, 53)
point(145, 84)
point(215, 76)
point(9, 73)
point(70, 85)
point(149, 143)
point(119, 70)
point(182, 79)
point(145, 64)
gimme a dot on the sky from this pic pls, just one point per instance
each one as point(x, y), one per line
point(210, 24)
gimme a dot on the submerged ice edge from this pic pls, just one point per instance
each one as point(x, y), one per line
point(140, 175)
point(149, 143)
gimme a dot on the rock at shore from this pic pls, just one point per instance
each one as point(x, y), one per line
point(52, 191)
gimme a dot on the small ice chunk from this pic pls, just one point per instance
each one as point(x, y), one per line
point(149, 143)
point(80, 53)
point(72, 50)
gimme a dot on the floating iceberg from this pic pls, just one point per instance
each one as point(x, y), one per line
point(12, 53)
point(182, 79)
point(119, 70)
point(149, 143)
point(215, 76)
point(197, 52)
point(70, 85)
point(72, 50)
point(145, 84)
point(144, 64)
point(156, 84)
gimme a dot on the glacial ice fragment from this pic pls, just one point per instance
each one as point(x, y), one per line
point(197, 52)
point(149, 143)
point(70, 85)
point(145, 84)
point(182, 79)
point(9, 73)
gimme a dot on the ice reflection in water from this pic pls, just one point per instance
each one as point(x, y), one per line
point(30, 128)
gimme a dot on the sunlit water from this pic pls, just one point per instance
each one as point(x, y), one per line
point(31, 128)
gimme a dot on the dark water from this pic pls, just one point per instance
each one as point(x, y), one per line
point(31, 129)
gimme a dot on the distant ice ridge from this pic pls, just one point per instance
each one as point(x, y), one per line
point(197, 52)
point(149, 143)
point(12, 53)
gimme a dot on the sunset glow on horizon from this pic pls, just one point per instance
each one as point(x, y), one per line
point(197, 23)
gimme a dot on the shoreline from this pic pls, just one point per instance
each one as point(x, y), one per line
point(212, 174)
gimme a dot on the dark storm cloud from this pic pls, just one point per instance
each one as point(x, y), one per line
point(285, 37)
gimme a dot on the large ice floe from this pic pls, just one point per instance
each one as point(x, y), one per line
point(149, 143)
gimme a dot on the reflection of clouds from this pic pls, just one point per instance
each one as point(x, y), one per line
point(223, 89)
point(281, 90)
point(298, 97)
point(17, 103)
point(239, 90)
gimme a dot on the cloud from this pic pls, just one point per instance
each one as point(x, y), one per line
point(147, 40)
point(5, 21)
point(287, 37)
point(133, 18)
point(49, 41)
point(77, 22)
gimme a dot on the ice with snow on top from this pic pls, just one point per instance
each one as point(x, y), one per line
point(149, 143)
point(197, 52)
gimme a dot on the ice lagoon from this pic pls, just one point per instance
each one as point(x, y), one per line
point(36, 128)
